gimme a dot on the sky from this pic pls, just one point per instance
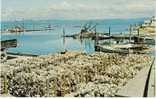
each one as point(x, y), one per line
point(76, 9)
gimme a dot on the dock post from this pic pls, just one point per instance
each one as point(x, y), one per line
point(109, 31)
point(138, 32)
point(130, 33)
point(96, 36)
point(96, 39)
point(64, 39)
point(63, 32)
point(23, 25)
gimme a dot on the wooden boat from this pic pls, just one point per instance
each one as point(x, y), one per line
point(109, 49)
point(149, 41)
point(128, 48)
point(5, 45)
point(9, 43)
point(101, 37)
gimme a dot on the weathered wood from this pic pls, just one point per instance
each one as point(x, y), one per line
point(21, 54)
point(109, 49)
point(125, 48)
point(109, 32)
point(8, 43)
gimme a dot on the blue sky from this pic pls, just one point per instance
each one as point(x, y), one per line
point(76, 9)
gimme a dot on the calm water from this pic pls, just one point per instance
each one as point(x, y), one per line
point(45, 42)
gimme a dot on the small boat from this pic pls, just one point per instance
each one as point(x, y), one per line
point(127, 48)
point(109, 49)
point(9, 43)
point(149, 41)
point(5, 44)
point(101, 37)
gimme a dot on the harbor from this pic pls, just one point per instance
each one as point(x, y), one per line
point(95, 48)
point(104, 72)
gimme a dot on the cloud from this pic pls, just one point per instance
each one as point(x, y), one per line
point(83, 9)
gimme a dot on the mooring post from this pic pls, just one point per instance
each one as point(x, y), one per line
point(130, 33)
point(63, 32)
point(96, 39)
point(138, 32)
point(23, 25)
point(96, 36)
point(109, 32)
point(64, 39)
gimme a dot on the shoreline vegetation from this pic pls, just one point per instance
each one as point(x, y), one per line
point(75, 73)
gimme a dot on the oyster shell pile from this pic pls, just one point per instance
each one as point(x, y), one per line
point(71, 74)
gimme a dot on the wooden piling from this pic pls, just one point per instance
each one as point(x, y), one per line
point(109, 31)
point(64, 40)
point(138, 32)
point(130, 33)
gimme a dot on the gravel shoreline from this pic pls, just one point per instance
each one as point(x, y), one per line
point(73, 74)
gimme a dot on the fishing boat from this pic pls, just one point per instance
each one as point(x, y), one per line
point(109, 49)
point(127, 48)
point(8, 43)
point(5, 44)
point(101, 37)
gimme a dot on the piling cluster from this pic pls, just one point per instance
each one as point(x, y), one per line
point(73, 74)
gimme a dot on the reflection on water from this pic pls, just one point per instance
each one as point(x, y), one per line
point(48, 42)
point(44, 42)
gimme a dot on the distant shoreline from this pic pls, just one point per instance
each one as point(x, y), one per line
point(20, 20)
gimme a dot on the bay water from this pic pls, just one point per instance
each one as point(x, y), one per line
point(51, 41)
